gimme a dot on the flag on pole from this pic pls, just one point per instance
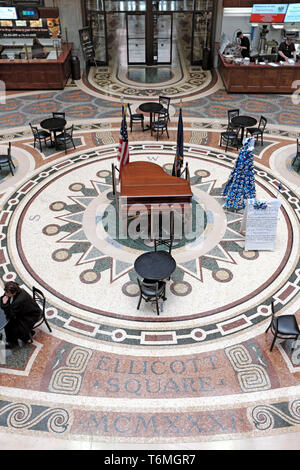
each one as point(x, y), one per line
point(123, 152)
point(178, 162)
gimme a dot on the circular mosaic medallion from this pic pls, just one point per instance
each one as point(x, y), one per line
point(216, 290)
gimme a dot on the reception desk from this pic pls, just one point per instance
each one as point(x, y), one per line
point(255, 78)
point(37, 74)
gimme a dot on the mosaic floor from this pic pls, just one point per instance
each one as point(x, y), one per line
point(112, 376)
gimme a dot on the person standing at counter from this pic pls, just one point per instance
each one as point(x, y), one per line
point(38, 51)
point(287, 50)
point(244, 44)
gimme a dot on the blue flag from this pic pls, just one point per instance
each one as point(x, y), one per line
point(178, 162)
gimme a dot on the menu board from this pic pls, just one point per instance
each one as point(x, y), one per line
point(293, 13)
point(261, 226)
point(42, 28)
point(8, 13)
point(86, 43)
point(268, 13)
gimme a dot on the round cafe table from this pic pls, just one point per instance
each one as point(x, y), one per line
point(243, 121)
point(53, 125)
point(155, 265)
point(151, 108)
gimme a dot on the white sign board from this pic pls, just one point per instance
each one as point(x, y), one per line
point(261, 226)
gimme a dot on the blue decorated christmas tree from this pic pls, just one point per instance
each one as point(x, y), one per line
point(241, 183)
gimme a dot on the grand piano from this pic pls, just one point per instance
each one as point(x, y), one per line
point(148, 185)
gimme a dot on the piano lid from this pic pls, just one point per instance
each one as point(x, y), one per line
point(140, 179)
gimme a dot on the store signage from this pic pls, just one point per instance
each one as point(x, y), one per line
point(8, 13)
point(41, 28)
point(293, 13)
point(268, 13)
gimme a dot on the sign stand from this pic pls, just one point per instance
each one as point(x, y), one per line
point(260, 225)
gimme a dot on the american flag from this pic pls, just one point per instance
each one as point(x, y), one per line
point(123, 152)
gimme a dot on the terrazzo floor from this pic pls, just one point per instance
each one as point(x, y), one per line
point(109, 376)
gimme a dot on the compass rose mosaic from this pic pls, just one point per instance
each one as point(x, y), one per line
point(60, 220)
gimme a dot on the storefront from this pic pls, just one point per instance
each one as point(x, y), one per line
point(263, 70)
point(33, 54)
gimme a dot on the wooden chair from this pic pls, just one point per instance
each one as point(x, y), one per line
point(230, 136)
point(258, 131)
point(6, 160)
point(152, 291)
point(39, 298)
point(65, 137)
point(283, 326)
point(165, 102)
point(160, 125)
point(40, 135)
point(137, 117)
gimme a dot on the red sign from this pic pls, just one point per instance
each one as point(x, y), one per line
point(267, 17)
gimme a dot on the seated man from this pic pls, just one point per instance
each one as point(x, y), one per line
point(21, 311)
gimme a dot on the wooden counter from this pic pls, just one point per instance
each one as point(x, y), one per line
point(37, 74)
point(254, 78)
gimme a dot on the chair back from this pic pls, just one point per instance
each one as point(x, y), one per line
point(233, 130)
point(34, 130)
point(162, 119)
point(129, 109)
point(39, 298)
point(168, 242)
point(165, 101)
point(274, 318)
point(59, 115)
point(9, 150)
point(262, 123)
point(232, 113)
point(152, 286)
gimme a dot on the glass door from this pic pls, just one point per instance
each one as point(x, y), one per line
point(97, 21)
point(162, 38)
point(201, 50)
point(136, 38)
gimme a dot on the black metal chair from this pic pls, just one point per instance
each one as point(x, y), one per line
point(65, 137)
point(231, 113)
point(283, 326)
point(160, 125)
point(165, 102)
point(296, 159)
point(258, 131)
point(59, 115)
point(39, 298)
point(136, 117)
point(168, 242)
point(230, 137)
point(40, 135)
point(6, 160)
point(150, 291)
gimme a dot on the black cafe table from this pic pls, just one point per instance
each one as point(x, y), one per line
point(155, 265)
point(151, 108)
point(53, 125)
point(243, 122)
